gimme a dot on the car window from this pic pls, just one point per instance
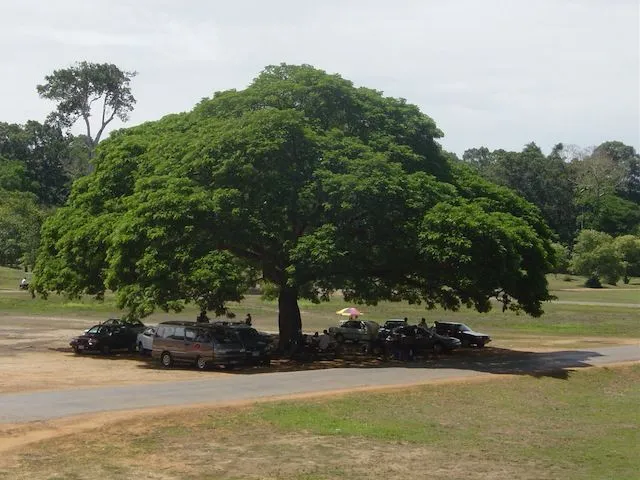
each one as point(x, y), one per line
point(178, 333)
point(94, 330)
point(203, 336)
point(189, 334)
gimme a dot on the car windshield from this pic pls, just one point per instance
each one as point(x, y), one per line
point(96, 329)
point(464, 328)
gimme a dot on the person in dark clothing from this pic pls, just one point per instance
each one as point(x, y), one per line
point(248, 320)
point(202, 318)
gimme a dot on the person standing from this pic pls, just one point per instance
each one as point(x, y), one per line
point(248, 320)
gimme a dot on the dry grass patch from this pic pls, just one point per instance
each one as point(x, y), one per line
point(585, 427)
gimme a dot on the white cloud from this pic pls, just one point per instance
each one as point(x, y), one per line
point(499, 73)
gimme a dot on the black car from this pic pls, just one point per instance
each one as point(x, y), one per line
point(461, 331)
point(415, 340)
point(105, 339)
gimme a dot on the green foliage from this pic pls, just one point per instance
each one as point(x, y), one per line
point(596, 256)
point(32, 158)
point(544, 181)
point(611, 214)
point(608, 189)
point(304, 181)
point(20, 221)
point(561, 264)
point(628, 160)
point(76, 89)
point(629, 248)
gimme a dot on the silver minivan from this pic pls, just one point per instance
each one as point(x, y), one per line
point(199, 344)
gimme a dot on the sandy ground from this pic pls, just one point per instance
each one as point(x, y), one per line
point(35, 355)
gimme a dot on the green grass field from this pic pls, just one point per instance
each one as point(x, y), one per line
point(621, 319)
point(584, 427)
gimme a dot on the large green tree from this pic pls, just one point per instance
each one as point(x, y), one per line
point(86, 89)
point(306, 182)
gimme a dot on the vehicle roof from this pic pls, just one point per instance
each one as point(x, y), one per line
point(449, 323)
point(182, 323)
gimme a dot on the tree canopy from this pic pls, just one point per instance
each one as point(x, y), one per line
point(306, 182)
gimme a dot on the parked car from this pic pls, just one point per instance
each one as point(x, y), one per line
point(200, 344)
point(355, 331)
point(462, 332)
point(257, 345)
point(390, 325)
point(416, 340)
point(105, 339)
point(135, 325)
point(145, 340)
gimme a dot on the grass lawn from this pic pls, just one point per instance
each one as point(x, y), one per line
point(585, 427)
point(559, 318)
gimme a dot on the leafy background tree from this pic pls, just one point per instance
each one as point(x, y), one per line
point(306, 182)
point(575, 188)
point(20, 222)
point(596, 256)
point(542, 180)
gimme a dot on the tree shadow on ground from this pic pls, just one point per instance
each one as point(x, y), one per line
point(499, 361)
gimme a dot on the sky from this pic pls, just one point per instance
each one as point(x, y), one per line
point(495, 73)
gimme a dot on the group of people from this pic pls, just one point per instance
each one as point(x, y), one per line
point(320, 342)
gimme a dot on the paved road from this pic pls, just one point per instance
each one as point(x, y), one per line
point(24, 407)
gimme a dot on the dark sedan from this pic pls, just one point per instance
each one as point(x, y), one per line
point(105, 339)
point(462, 332)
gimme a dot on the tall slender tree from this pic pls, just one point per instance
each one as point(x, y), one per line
point(86, 89)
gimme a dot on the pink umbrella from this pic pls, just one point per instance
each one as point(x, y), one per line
point(349, 312)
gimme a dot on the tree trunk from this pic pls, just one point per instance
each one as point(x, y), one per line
point(289, 321)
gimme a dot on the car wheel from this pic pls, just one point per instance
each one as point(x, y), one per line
point(141, 349)
point(166, 360)
point(480, 344)
point(438, 348)
point(339, 338)
point(201, 363)
point(465, 343)
point(132, 348)
point(77, 350)
point(105, 350)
